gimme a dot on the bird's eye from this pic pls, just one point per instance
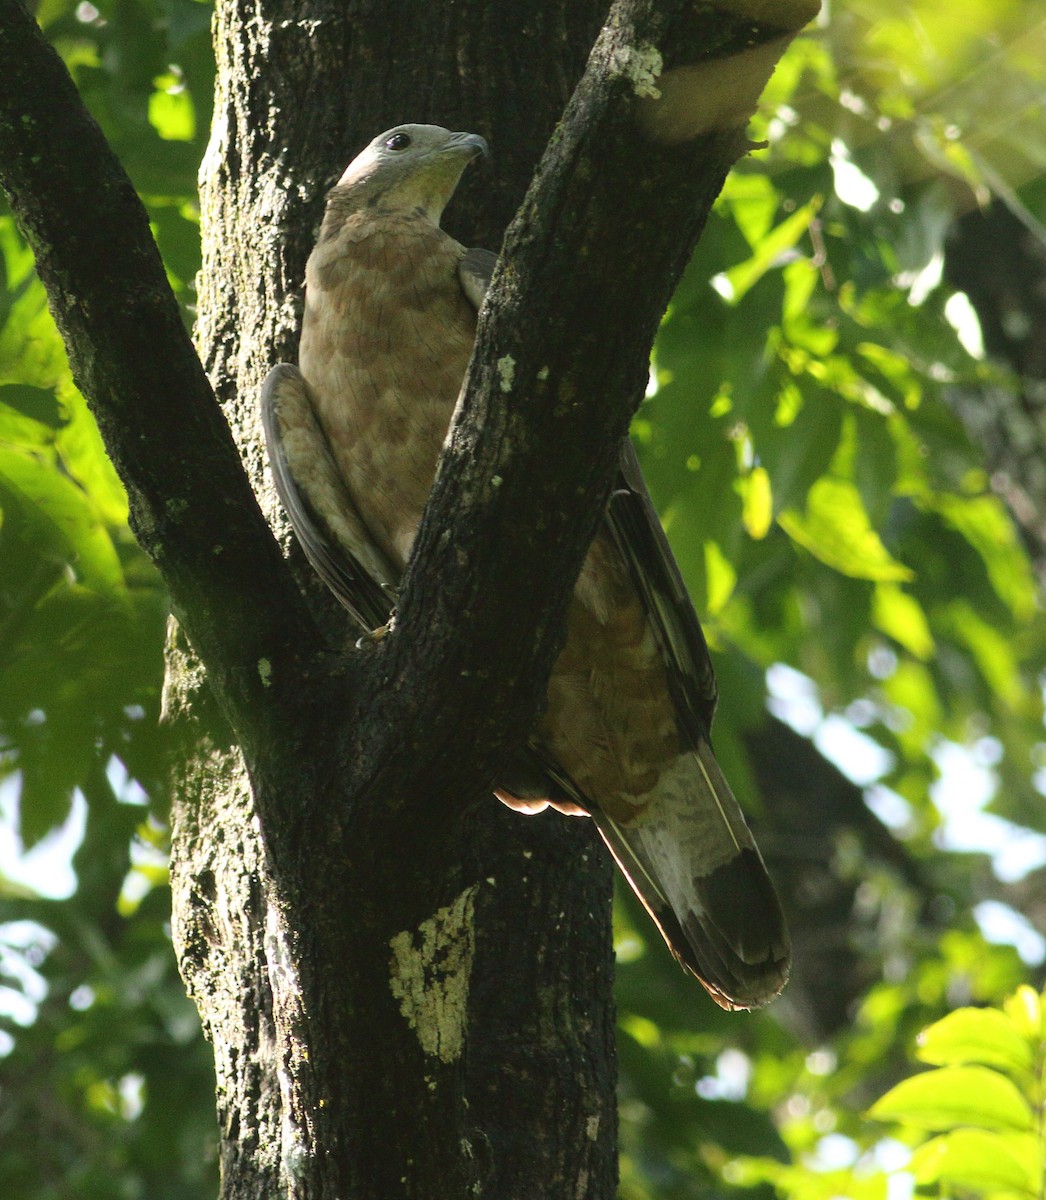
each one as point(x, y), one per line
point(398, 141)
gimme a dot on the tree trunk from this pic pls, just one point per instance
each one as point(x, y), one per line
point(527, 916)
point(408, 990)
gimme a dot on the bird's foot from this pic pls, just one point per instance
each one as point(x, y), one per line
point(377, 635)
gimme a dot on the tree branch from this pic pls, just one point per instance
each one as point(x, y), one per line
point(560, 365)
point(191, 505)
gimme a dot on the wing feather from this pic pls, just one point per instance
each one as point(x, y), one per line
point(635, 528)
point(321, 511)
point(475, 271)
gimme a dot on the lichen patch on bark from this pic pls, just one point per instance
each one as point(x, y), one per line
point(429, 974)
point(506, 372)
point(641, 65)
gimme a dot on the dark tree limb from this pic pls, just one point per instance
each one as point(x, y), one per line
point(191, 505)
point(339, 930)
point(561, 364)
point(812, 810)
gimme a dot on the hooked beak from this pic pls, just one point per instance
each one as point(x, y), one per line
point(472, 142)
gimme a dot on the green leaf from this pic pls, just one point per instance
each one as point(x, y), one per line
point(171, 111)
point(986, 525)
point(47, 786)
point(797, 439)
point(994, 653)
point(980, 1161)
point(38, 405)
point(835, 528)
point(911, 687)
point(1024, 1009)
point(901, 617)
point(757, 500)
point(742, 278)
point(720, 578)
point(975, 1035)
point(62, 515)
point(798, 1182)
point(31, 350)
point(84, 458)
point(753, 201)
point(952, 1096)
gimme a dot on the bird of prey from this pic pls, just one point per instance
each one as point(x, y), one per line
point(354, 433)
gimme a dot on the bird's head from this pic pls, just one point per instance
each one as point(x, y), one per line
point(411, 168)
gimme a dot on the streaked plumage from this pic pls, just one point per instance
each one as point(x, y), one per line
point(389, 324)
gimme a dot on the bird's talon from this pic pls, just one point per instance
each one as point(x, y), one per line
point(377, 635)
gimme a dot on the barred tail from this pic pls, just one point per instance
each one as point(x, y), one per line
point(692, 862)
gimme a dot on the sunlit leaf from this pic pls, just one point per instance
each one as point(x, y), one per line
point(720, 576)
point(84, 458)
point(800, 1183)
point(975, 1035)
point(63, 515)
point(900, 616)
point(835, 528)
point(741, 278)
point(758, 507)
point(753, 202)
point(951, 1096)
point(171, 111)
point(31, 352)
point(1024, 1009)
point(980, 1161)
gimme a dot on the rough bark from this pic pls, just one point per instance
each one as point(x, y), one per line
point(355, 918)
point(540, 1060)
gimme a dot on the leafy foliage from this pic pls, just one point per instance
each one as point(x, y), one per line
point(831, 512)
point(106, 1088)
point(81, 614)
point(982, 1101)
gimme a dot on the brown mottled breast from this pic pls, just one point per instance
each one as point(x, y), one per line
point(385, 344)
point(386, 339)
